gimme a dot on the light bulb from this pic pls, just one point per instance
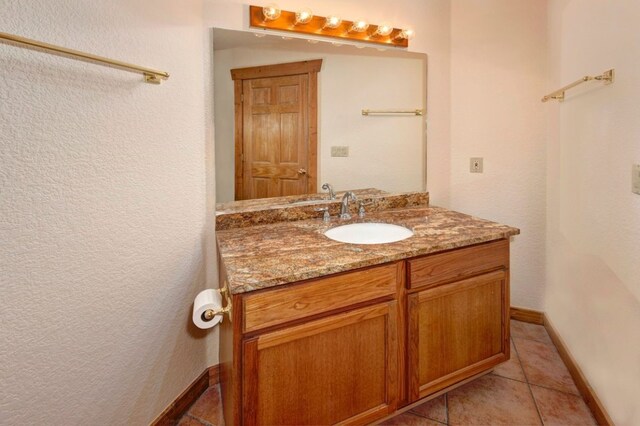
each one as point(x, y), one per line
point(407, 33)
point(303, 16)
point(332, 22)
point(271, 12)
point(383, 30)
point(359, 26)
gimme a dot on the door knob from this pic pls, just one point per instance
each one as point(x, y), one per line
point(302, 171)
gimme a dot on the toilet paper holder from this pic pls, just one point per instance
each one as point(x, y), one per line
point(209, 314)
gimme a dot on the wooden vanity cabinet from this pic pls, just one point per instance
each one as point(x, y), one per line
point(318, 352)
point(354, 347)
point(458, 317)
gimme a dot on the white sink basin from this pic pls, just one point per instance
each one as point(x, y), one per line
point(369, 233)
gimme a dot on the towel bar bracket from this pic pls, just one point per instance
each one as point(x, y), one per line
point(152, 79)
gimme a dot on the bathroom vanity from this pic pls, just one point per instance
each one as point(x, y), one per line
point(324, 332)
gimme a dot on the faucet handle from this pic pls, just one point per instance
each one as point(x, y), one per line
point(326, 217)
point(361, 204)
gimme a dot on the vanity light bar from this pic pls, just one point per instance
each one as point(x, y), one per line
point(271, 17)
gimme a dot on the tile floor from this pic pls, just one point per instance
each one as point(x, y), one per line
point(206, 411)
point(533, 388)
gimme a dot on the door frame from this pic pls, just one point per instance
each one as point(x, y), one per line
point(238, 75)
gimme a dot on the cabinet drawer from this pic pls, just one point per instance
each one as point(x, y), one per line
point(281, 305)
point(436, 269)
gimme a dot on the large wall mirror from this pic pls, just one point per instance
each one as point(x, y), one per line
point(288, 117)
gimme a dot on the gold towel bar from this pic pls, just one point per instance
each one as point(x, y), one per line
point(150, 75)
point(392, 111)
point(606, 76)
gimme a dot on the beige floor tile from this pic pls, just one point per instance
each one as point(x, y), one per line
point(525, 330)
point(543, 366)
point(512, 368)
point(408, 419)
point(190, 421)
point(559, 408)
point(435, 409)
point(492, 400)
point(209, 407)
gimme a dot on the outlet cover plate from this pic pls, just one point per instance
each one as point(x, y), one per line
point(635, 179)
point(339, 151)
point(475, 165)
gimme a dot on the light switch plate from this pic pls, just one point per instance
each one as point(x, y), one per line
point(475, 165)
point(339, 151)
point(635, 179)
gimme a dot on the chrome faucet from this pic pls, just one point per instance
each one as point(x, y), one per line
point(344, 206)
point(329, 187)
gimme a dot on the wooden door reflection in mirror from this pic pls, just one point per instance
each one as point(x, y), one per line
point(276, 129)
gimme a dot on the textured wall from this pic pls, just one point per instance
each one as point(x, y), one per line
point(102, 212)
point(498, 65)
point(593, 227)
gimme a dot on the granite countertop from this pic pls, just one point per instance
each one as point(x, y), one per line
point(264, 256)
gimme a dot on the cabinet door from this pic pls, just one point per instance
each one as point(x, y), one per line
point(337, 369)
point(457, 330)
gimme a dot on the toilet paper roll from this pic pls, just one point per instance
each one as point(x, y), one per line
point(207, 299)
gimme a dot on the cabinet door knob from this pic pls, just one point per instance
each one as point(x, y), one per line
point(302, 171)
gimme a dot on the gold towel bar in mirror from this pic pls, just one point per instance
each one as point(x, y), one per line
point(150, 75)
point(392, 112)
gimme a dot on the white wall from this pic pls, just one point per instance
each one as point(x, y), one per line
point(384, 152)
point(102, 207)
point(593, 226)
point(431, 21)
point(498, 64)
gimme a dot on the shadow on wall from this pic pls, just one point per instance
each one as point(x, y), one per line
point(586, 298)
